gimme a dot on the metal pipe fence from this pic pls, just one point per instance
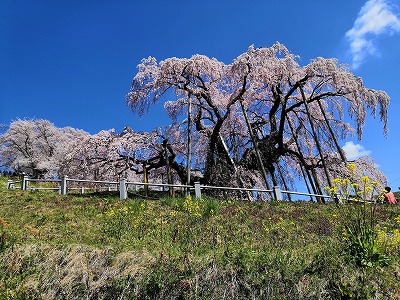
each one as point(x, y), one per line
point(66, 184)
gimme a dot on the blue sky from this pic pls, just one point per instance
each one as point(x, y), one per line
point(72, 62)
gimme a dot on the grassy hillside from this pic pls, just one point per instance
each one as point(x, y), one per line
point(95, 246)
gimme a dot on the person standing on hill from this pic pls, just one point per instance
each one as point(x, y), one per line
point(389, 196)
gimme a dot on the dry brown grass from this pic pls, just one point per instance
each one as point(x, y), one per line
point(72, 272)
point(3, 222)
point(33, 230)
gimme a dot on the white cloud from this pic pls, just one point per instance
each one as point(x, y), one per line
point(376, 17)
point(354, 151)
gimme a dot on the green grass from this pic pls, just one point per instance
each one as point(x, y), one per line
point(95, 246)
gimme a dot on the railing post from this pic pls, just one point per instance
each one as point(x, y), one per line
point(278, 193)
point(10, 185)
point(82, 190)
point(197, 190)
point(123, 194)
point(24, 182)
point(63, 190)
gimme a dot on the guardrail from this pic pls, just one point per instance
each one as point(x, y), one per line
point(122, 187)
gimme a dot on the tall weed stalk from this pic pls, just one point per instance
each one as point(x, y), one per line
point(360, 226)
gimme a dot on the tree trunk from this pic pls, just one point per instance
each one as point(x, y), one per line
point(318, 186)
point(283, 180)
point(314, 133)
point(249, 197)
point(255, 145)
point(304, 168)
point(189, 152)
point(339, 149)
point(145, 180)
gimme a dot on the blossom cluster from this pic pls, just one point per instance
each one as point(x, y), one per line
point(347, 189)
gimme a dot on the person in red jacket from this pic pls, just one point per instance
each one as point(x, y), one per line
point(389, 196)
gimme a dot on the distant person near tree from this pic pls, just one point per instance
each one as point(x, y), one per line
point(389, 196)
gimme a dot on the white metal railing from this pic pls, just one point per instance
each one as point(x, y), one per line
point(122, 186)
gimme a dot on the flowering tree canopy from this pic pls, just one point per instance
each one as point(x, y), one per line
point(108, 155)
point(263, 112)
point(36, 147)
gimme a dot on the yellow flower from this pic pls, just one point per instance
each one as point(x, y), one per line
point(396, 238)
point(329, 190)
point(352, 168)
point(365, 179)
point(346, 181)
point(110, 213)
point(397, 219)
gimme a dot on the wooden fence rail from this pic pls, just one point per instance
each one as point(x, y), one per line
point(122, 186)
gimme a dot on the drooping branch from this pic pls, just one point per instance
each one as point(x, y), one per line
point(317, 143)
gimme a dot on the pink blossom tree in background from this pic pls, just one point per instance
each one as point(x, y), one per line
point(36, 147)
point(136, 156)
point(106, 155)
point(263, 114)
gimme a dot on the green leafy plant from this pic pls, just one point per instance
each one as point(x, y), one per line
point(360, 228)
